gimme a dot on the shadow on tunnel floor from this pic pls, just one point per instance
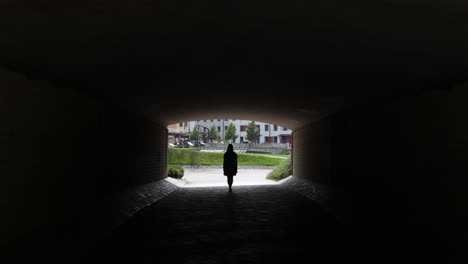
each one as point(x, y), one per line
point(253, 224)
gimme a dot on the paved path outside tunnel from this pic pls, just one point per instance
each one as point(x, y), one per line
point(253, 224)
point(206, 176)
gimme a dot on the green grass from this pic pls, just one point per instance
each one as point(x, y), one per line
point(257, 160)
point(272, 155)
point(195, 157)
point(281, 171)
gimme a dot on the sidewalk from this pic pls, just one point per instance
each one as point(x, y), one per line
point(209, 176)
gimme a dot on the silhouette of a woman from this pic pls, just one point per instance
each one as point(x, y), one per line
point(230, 165)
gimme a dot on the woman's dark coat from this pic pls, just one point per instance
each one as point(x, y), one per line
point(230, 162)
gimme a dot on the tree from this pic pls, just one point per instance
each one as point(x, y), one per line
point(257, 135)
point(213, 134)
point(194, 135)
point(231, 133)
point(253, 132)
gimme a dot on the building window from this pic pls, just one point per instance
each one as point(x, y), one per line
point(285, 128)
point(243, 128)
point(266, 127)
point(266, 140)
point(225, 120)
point(275, 128)
point(211, 120)
point(275, 139)
point(219, 129)
point(181, 124)
point(204, 120)
point(225, 128)
point(219, 119)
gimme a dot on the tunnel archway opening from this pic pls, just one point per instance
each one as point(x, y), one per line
point(198, 146)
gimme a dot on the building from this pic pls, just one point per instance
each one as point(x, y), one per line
point(269, 133)
point(178, 132)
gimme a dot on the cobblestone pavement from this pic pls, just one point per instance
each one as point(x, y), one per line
point(253, 224)
point(293, 221)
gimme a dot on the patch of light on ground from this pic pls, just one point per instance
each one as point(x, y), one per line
point(213, 176)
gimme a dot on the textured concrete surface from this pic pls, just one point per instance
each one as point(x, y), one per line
point(293, 221)
point(253, 224)
point(124, 204)
point(289, 222)
point(328, 198)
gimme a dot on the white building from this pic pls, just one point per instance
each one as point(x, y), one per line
point(269, 133)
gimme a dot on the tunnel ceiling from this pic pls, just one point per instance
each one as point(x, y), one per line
point(285, 62)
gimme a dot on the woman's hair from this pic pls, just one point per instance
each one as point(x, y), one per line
point(230, 148)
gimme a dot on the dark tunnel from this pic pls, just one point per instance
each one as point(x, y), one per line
point(374, 91)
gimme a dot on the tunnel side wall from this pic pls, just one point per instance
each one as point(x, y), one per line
point(401, 163)
point(62, 151)
point(311, 152)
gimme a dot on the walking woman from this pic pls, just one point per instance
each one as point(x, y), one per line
point(230, 165)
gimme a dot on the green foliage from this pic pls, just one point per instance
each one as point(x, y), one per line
point(253, 132)
point(231, 133)
point(246, 159)
point(281, 171)
point(286, 152)
point(213, 134)
point(182, 156)
point(193, 156)
point(194, 135)
point(175, 171)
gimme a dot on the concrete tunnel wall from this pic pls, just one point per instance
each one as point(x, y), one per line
point(401, 164)
point(62, 151)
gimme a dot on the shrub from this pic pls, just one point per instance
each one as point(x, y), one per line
point(281, 171)
point(286, 152)
point(175, 171)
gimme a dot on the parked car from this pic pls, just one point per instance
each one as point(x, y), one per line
point(171, 145)
point(188, 144)
point(200, 144)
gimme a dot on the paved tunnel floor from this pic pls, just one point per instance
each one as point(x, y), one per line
point(253, 224)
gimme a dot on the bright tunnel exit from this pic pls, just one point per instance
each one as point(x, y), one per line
point(196, 149)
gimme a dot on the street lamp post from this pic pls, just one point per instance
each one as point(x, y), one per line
point(198, 146)
point(222, 129)
point(198, 142)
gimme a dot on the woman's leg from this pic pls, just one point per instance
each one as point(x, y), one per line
point(229, 180)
